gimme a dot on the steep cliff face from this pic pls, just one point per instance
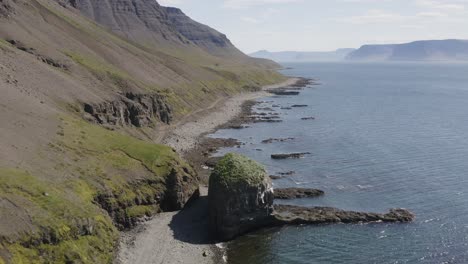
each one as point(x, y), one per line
point(147, 21)
point(138, 110)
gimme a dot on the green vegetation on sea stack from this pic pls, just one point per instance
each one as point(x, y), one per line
point(235, 168)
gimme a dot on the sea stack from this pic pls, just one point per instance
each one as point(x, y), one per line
point(240, 197)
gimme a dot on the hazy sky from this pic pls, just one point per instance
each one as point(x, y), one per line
point(314, 25)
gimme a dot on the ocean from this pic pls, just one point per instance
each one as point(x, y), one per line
point(385, 135)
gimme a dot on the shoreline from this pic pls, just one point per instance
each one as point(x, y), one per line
point(183, 237)
point(185, 136)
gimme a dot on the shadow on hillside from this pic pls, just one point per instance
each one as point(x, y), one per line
point(191, 225)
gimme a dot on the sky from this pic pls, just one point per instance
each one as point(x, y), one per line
point(323, 25)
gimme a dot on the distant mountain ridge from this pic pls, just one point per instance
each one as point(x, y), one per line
point(303, 56)
point(424, 50)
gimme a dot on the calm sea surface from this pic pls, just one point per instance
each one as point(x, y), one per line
point(385, 136)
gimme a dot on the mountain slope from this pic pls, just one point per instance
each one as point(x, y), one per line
point(429, 50)
point(303, 56)
point(82, 106)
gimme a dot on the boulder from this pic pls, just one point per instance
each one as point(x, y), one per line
point(240, 197)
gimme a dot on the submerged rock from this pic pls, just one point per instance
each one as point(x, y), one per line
point(240, 197)
point(296, 193)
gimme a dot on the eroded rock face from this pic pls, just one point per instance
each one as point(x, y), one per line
point(138, 110)
point(179, 188)
point(240, 197)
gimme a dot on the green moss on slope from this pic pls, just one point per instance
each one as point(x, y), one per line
point(111, 171)
point(68, 229)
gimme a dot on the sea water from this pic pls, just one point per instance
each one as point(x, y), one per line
point(385, 135)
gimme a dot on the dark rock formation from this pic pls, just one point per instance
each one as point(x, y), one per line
point(281, 175)
point(240, 197)
point(297, 215)
point(276, 177)
point(283, 92)
point(289, 155)
point(296, 193)
point(267, 120)
point(181, 187)
point(139, 110)
point(272, 140)
point(236, 126)
point(303, 82)
point(288, 173)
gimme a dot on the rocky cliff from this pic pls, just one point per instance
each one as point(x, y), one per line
point(137, 110)
point(147, 21)
point(87, 89)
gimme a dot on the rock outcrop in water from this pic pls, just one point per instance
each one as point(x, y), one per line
point(139, 110)
point(240, 197)
point(289, 155)
point(241, 200)
point(297, 215)
point(296, 193)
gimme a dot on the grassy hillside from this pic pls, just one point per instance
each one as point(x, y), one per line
point(67, 186)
